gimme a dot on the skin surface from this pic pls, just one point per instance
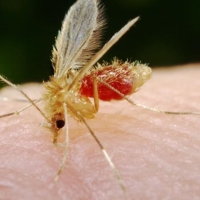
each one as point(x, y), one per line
point(156, 154)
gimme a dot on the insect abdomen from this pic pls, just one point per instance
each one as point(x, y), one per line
point(123, 77)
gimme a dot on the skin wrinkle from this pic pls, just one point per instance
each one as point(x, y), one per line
point(156, 154)
point(158, 141)
point(35, 150)
point(34, 177)
point(22, 182)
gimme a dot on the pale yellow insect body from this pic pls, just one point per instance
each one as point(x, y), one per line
point(75, 44)
point(73, 55)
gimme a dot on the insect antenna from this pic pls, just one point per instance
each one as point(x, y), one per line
point(32, 102)
point(146, 107)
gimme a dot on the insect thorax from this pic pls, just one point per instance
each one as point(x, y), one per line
point(56, 94)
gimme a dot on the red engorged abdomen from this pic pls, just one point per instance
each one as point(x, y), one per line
point(119, 78)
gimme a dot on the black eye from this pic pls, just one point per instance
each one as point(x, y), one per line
point(60, 123)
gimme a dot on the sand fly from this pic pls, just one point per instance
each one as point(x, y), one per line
point(77, 79)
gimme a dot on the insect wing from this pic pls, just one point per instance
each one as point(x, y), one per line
point(79, 37)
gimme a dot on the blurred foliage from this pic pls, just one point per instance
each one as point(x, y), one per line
point(167, 34)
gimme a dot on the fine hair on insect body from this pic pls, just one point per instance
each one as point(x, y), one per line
point(75, 80)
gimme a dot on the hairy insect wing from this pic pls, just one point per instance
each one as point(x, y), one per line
point(79, 37)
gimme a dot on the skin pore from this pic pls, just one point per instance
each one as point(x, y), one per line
point(157, 155)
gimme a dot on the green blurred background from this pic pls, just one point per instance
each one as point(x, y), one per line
point(167, 34)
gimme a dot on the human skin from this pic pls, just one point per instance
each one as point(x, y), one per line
point(157, 155)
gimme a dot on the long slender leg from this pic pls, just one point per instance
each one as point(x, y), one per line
point(112, 165)
point(146, 107)
point(96, 95)
point(20, 110)
point(101, 52)
point(24, 94)
point(65, 152)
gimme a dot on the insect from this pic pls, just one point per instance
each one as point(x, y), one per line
point(75, 79)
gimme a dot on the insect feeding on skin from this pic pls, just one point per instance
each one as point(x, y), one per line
point(76, 80)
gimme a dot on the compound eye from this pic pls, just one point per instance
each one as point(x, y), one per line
point(60, 123)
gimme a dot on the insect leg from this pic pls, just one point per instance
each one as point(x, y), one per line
point(20, 110)
point(112, 165)
point(65, 152)
point(146, 107)
point(96, 95)
point(24, 94)
point(101, 52)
